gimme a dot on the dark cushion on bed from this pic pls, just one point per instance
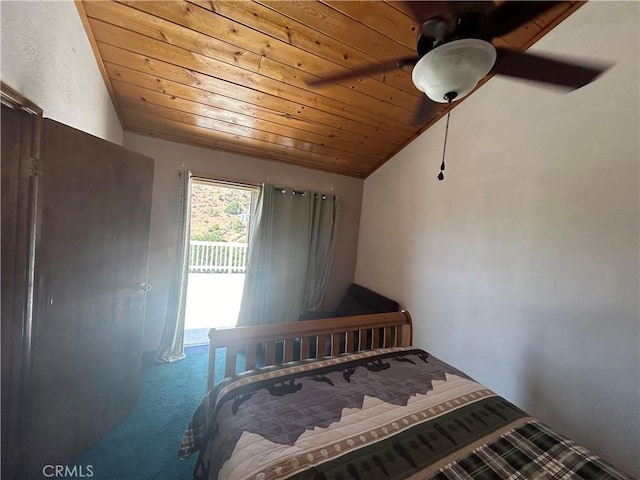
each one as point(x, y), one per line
point(309, 315)
point(350, 306)
point(358, 300)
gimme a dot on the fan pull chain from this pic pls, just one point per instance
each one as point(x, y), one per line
point(449, 97)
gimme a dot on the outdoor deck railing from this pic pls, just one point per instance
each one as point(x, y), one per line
point(217, 257)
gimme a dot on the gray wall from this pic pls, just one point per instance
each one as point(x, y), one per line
point(46, 56)
point(521, 267)
point(171, 157)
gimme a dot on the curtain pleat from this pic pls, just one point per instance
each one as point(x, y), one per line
point(255, 288)
point(324, 230)
point(171, 346)
point(290, 251)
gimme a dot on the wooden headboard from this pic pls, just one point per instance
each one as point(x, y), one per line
point(360, 332)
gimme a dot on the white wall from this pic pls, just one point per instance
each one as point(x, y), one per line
point(521, 267)
point(46, 56)
point(171, 157)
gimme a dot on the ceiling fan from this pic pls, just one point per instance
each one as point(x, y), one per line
point(454, 52)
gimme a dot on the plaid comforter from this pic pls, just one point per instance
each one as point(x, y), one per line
point(395, 413)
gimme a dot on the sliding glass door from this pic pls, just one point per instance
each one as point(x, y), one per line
point(220, 222)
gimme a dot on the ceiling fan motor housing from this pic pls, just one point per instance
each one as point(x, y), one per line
point(453, 67)
point(432, 33)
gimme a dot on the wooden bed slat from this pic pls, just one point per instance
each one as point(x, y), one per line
point(230, 361)
point(288, 350)
point(250, 361)
point(305, 347)
point(350, 343)
point(362, 327)
point(321, 345)
point(270, 353)
point(335, 344)
point(388, 337)
point(375, 338)
point(362, 340)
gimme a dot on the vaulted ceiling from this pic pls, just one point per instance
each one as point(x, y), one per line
point(233, 75)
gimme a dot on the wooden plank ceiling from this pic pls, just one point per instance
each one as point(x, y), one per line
point(231, 75)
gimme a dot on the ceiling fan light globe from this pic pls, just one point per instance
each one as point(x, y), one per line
point(456, 66)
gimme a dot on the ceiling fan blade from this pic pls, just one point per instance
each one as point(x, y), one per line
point(424, 112)
point(364, 71)
point(466, 7)
point(509, 15)
point(538, 68)
point(425, 10)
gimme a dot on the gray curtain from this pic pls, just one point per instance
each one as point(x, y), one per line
point(171, 346)
point(290, 251)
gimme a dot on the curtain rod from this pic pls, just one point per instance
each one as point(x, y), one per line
point(207, 177)
point(204, 177)
point(296, 191)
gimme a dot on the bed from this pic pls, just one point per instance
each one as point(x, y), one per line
point(375, 408)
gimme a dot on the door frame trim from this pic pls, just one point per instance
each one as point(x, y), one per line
point(15, 100)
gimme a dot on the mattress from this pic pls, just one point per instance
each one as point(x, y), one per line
point(395, 413)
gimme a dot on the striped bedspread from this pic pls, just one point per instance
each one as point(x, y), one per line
point(395, 413)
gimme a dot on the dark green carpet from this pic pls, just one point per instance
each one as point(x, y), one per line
point(145, 445)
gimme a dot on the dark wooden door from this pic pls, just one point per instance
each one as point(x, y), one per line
point(90, 259)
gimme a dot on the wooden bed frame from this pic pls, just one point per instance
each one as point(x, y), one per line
point(361, 332)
